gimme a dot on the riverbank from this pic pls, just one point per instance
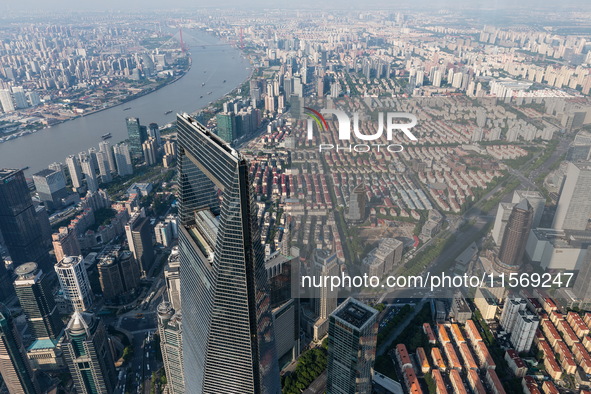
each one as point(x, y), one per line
point(11, 136)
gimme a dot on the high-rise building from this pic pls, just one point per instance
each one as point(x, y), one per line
point(170, 329)
point(515, 236)
point(163, 232)
point(19, 224)
point(574, 206)
point(149, 149)
point(74, 282)
point(119, 273)
point(75, 171)
point(51, 187)
point(6, 101)
point(123, 159)
point(535, 199)
point(510, 312)
point(89, 171)
point(228, 335)
point(173, 279)
point(103, 166)
point(352, 337)
point(357, 203)
point(325, 301)
point(33, 289)
point(582, 286)
point(139, 233)
point(16, 371)
point(524, 330)
point(105, 148)
point(137, 134)
point(154, 132)
point(226, 126)
point(88, 354)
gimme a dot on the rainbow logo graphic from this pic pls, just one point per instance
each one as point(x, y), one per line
point(318, 118)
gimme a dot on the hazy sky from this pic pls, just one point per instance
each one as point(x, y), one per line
point(7, 5)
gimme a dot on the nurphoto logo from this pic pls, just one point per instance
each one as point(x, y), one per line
point(390, 121)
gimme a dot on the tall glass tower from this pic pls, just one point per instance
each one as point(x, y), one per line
point(18, 221)
point(137, 135)
point(228, 337)
point(14, 364)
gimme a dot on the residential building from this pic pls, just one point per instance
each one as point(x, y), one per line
point(574, 207)
point(74, 282)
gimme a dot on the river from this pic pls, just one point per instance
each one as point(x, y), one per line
point(213, 61)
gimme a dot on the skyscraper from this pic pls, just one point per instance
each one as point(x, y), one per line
point(74, 282)
point(51, 187)
point(88, 354)
point(325, 301)
point(65, 243)
point(75, 171)
point(137, 135)
point(226, 126)
point(170, 329)
point(139, 233)
point(14, 365)
point(123, 159)
point(535, 199)
point(228, 338)
point(515, 236)
point(103, 166)
point(89, 171)
point(18, 221)
point(105, 147)
point(33, 290)
point(357, 203)
point(154, 132)
point(352, 337)
point(119, 273)
point(574, 206)
point(149, 149)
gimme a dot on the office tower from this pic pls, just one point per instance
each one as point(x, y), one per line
point(325, 298)
point(352, 337)
point(226, 126)
point(51, 187)
point(535, 199)
point(74, 282)
point(88, 354)
point(298, 87)
point(137, 135)
point(524, 331)
point(139, 233)
point(89, 171)
point(103, 166)
point(14, 365)
point(33, 289)
point(228, 336)
point(105, 148)
point(149, 149)
point(18, 221)
point(123, 159)
point(357, 203)
point(173, 279)
point(501, 218)
point(59, 167)
point(6, 101)
point(515, 236)
point(119, 273)
point(574, 206)
point(286, 310)
point(170, 329)
point(154, 132)
point(75, 172)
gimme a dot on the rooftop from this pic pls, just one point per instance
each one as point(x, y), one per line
point(355, 313)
